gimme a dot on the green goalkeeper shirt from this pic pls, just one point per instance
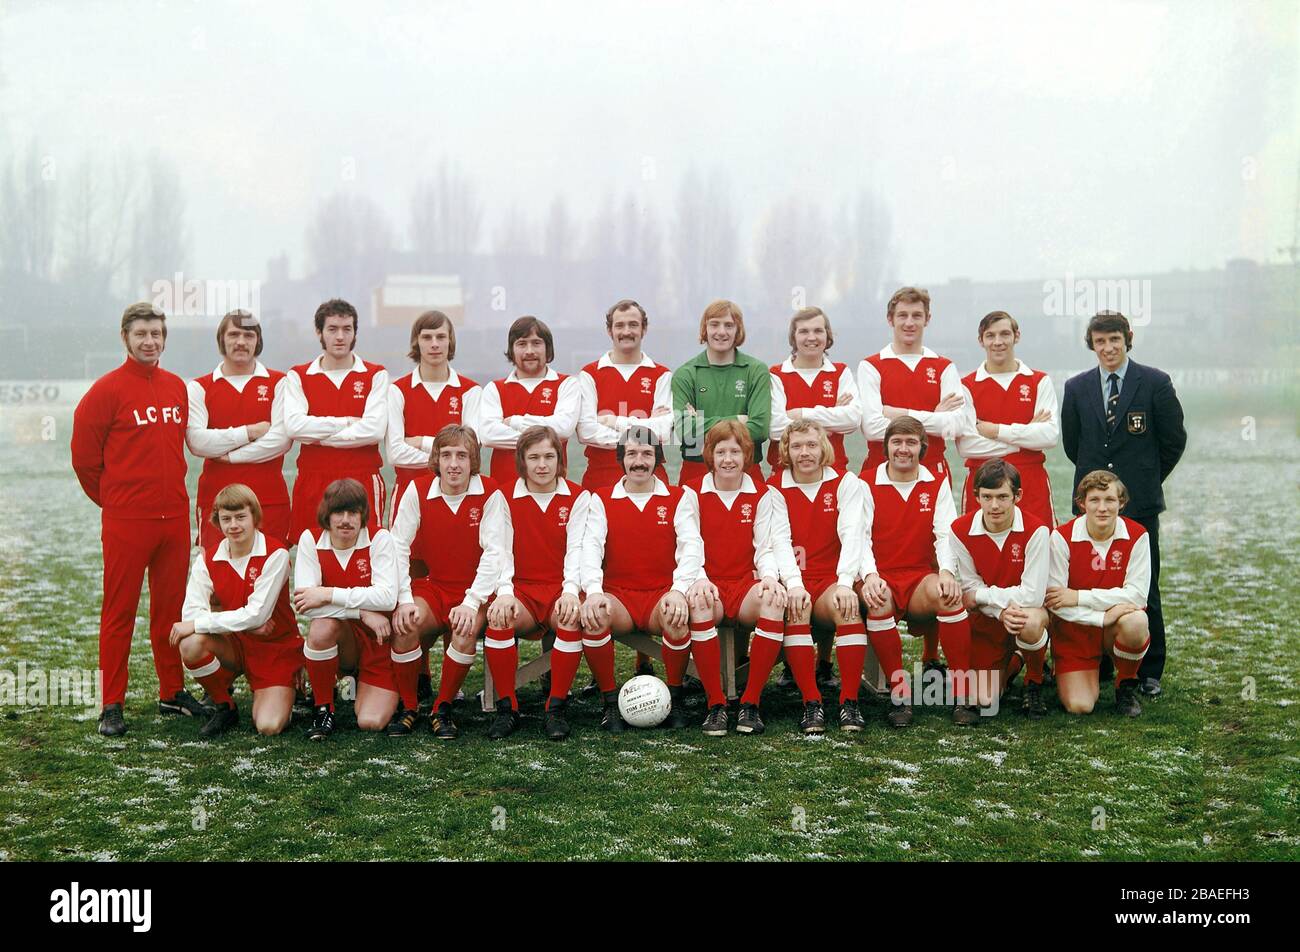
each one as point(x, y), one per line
point(721, 392)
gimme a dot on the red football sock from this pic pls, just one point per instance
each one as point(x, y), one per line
point(707, 653)
point(406, 672)
point(768, 635)
point(851, 653)
point(1035, 656)
point(1127, 660)
point(882, 632)
point(954, 632)
point(323, 670)
point(215, 679)
point(501, 653)
point(675, 655)
point(565, 655)
point(599, 652)
point(928, 631)
point(801, 657)
point(455, 665)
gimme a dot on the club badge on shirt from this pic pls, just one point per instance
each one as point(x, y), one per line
point(1137, 422)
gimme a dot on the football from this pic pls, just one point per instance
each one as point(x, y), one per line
point(644, 701)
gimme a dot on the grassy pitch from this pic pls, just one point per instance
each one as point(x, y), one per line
point(1208, 772)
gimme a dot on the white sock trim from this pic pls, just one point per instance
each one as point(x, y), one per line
point(798, 641)
point(404, 657)
point(204, 670)
point(777, 636)
point(320, 654)
point(1131, 656)
point(459, 656)
point(595, 642)
point(881, 624)
point(954, 618)
point(850, 639)
point(708, 634)
point(1034, 647)
point(568, 647)
point(674, 646)
point(498, 643)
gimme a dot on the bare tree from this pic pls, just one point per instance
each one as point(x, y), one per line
point(446, 215)
point(704, 241)
point(866, 253)
point(515, 235)
point(349, 242)
point(28, 213)
point(561, 238)
point(159, 240)
point(94, 243)
point(791, 252)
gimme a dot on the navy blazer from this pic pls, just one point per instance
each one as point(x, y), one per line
point(1148, 440)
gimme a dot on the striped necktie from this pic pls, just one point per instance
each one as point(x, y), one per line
point(1112, 401)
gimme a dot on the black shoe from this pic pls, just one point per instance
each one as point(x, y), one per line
point(223, 719)
point(186, 704)
point(1031, 704)
point(677, 714)
point(786, 680)
point(424, 692)
point(899, 715)
point(851, 717)
point(506, 721)
point(966, 715)
point(610, 719)
point(443, 727)
point(1150, 687)
point(553, 723)
point(111, 722)
point(717, 722)
point(692, 685)
point(1126, 698)
point(827, 683)
point(322, 723)
point(814, 718)
point(645, 667)
point(749, 722)
point(590, 691)
point(402, 722)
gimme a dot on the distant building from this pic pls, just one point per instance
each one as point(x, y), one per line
point(404, 297)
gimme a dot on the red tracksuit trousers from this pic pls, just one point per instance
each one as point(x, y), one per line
point(131, 547)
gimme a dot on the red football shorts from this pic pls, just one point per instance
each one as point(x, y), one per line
point(1075, 647)
point(991, 645)
point(903, 584)
point(268, 662)
point(732, 592)
point(441, 599)
point(374, 661)
point(639, 602)
point(539, 598)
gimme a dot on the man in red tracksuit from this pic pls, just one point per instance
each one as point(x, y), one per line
point(128, 451)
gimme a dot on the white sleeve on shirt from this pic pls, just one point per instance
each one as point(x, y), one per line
point(198, 591)
point(495, 537)
point(298, 423)
point(369, 429)
point(261, 602)
point(690, 544)
point(868, 522)
point(970, 444)
point(307, 574)
point(381, 594)
point(849, 527)
point(1093, 603)
point(568, 406)
point(950, 423)
point(765, 560)
point(837, 419)
point(992, 599)
point(592, 562)
point(470, 408)
point(274, 442)
point(945, 513)
point(493, 432)
point(576, 529)
point(203, 441)
point(1036, 436)
point(873, 412)
point(406, 524)
point(779, 419)
point(590, 431)
point(787, 565)
point(401, 453)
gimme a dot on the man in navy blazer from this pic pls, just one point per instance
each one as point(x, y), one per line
point(1125, 418)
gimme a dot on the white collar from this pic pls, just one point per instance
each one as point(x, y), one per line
point(357, 364)
point(1017, 523)
point(1079, 531)
point(258, 371)
point(521, 489)
point(621, 493)
point(475, 488)
point(788, 367)
point(549, 375)
point(452, 379)
point(746, 485)
point(606, 362)
point(363, 540)
point(882, 475)
point(889, 352)
point(788, 480)
point(1022, 369)
point(223, 549)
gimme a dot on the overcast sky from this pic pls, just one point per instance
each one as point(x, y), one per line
point(1009, 140)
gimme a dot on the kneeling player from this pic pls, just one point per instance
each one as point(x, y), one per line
point(747, 550)
point(825, 508)
point(641, 553)
point(254, 632)
point(1097, 590)
point(909, 513)
point(1002, 556)
point(454, 521)
point(345, 581)
point(540, 582)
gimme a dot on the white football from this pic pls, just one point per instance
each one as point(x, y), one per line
point(644, 701)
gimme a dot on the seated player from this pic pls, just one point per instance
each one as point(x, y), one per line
point(908, 568)
point(641, 553)
point(251, 631)
point(825, 508)
point(747, 551)
point(454, 521)
point(540, 581)
point(1002, 556)
point(345, 582)
point(1097, 593)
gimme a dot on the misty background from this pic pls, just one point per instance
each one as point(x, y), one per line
point(502, 159)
